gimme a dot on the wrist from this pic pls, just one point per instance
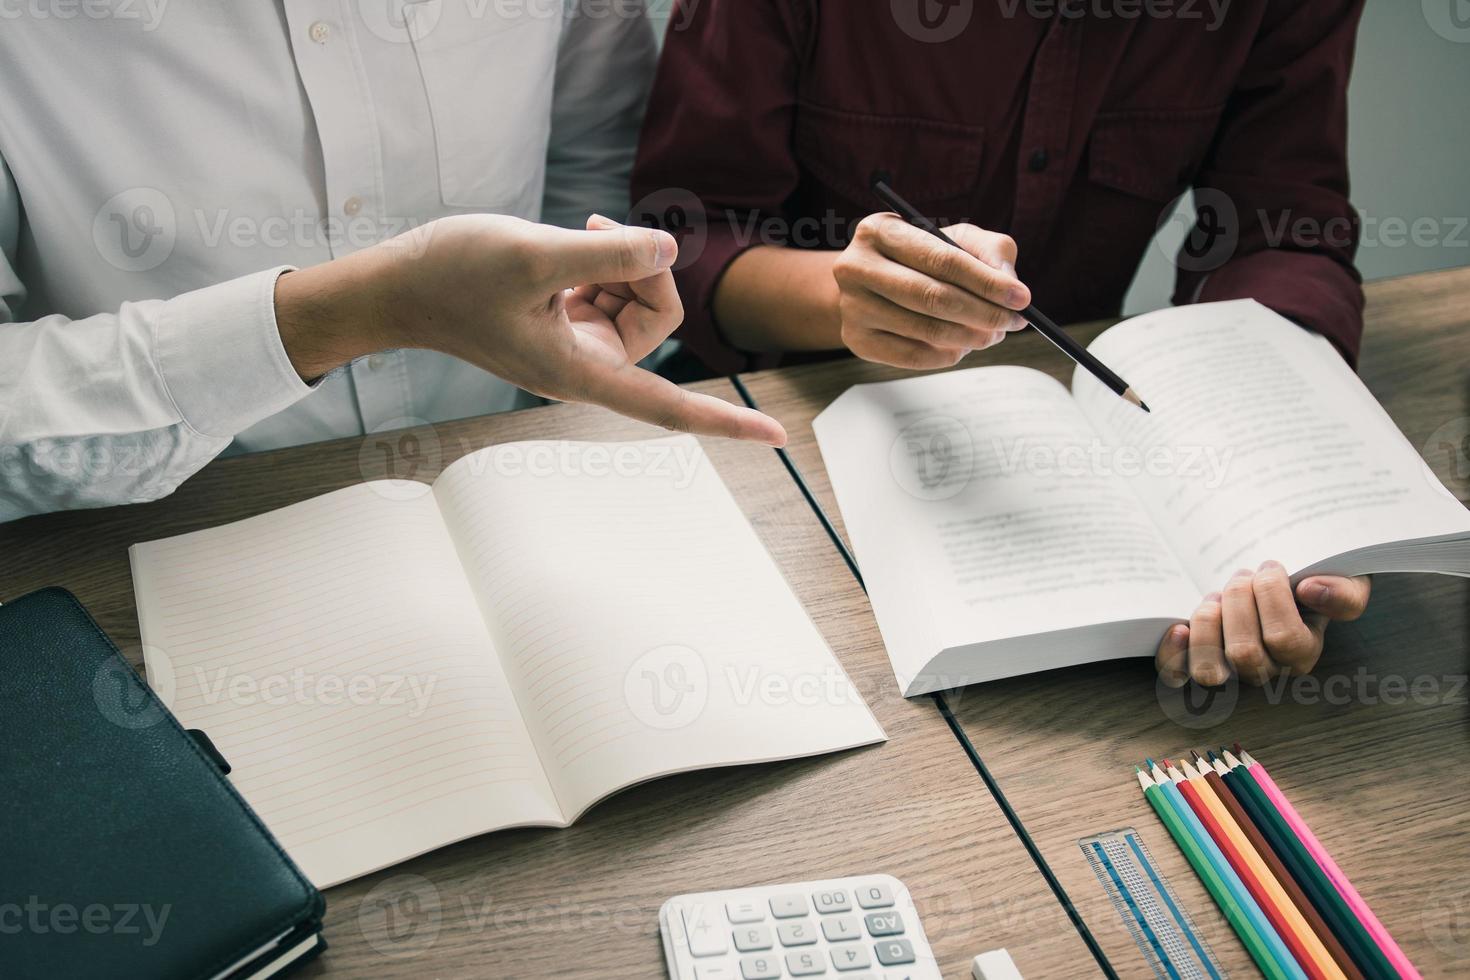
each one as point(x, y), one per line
point(331, 314)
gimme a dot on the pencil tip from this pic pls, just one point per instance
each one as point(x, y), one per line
point(1237, 748)
point(1131, 396)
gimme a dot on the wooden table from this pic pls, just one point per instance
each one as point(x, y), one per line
point(583, 902)
point(1386, 786)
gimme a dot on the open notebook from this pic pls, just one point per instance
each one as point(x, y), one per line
point(392, 667)
point(1006, 525)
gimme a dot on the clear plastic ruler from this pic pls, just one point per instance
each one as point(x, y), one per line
point(1159, 925)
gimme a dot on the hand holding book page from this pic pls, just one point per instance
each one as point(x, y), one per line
point(392, 667)
point(1005, 526)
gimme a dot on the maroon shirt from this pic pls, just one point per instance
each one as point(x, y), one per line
point(1069, 130)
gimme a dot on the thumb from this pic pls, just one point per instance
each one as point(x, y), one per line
point(1334, 596)
point(612, 254)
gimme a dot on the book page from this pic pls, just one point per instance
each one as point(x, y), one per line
point(334, 653)
point(643, 625)
point(983, 506)
point(1299, 462)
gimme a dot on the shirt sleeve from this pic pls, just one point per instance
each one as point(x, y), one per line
point(604, 68)
point(123, 406)
point(715, 157)
point(1275, 183)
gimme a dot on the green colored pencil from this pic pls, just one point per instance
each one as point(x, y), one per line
point(1254, 944)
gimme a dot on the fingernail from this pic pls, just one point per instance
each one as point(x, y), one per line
point(1242, 573)
point(1212, 597)
point(1210, 676)
point(1317, 595)
point(1016, 297)
point(667, 249)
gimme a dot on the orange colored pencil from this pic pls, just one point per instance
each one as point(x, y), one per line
point(1310, 954)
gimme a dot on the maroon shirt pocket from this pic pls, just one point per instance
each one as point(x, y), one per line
point(1150, 153)
point(928, 161)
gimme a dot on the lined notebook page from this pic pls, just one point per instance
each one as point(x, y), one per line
point(643, 625)
point(334, 653)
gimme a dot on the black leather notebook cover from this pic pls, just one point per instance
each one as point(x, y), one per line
point(124, 851)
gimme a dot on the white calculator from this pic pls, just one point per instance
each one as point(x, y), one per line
point(862, 928)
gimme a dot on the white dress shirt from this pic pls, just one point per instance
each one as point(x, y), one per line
point(161, 164)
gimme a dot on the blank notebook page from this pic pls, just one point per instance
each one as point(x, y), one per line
point(335, 654)
point(642, 623)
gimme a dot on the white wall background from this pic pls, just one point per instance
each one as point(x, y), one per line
point(1409, 145)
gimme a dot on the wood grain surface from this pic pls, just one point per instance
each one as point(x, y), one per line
point(583, 902)
point(1371, 747)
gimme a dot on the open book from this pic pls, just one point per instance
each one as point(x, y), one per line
point(1005, 525)
point(394, 667)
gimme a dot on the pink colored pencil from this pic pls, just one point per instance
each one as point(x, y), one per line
point(1329, 867)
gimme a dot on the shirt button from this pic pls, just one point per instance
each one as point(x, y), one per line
point(377, 362)
point(320, 32)
point(352, 205)
point(1038, 161)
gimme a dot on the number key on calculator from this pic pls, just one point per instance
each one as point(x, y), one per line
point(861, 928)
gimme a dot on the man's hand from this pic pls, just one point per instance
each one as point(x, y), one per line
point(911, 300)
point(563, 314)
point(1256, 629)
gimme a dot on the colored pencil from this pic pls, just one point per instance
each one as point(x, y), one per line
point(1324, 860)
point(1195, 818)
point(1211, 879)
point(1038, 320)
point(1318, 889)
point(1213, 769)
point(1304, 945)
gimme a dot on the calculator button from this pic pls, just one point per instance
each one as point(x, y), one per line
point(874, 896)
point(749, 939)
point(807, 964)
point(715, 971)
point(707, 936)
point(892, 952)
point(883, 924)
point(801, 933)
point(831, 900)
point(852, 957)
point(748, 910)
point(788, 906)
point(760, 968)
point(838, 928)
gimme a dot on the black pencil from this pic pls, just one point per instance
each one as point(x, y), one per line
point(1040, 321)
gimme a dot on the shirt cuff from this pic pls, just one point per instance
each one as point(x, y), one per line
point(221, 357)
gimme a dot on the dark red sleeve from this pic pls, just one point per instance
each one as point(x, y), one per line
point(715, 156)
point(1277, 179)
